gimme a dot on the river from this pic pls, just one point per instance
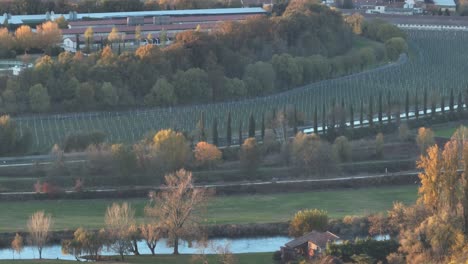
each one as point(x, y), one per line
point(239, 245)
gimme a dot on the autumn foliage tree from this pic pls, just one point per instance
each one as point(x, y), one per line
point(306, 221)
point(425, 139)
point(170, 149)
point(436, 228)
point(178, 207)
point(207, 155)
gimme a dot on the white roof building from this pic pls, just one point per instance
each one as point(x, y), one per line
point(22, 19)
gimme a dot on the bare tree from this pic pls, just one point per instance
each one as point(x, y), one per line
point(151, 233)
point(177, 207)
point(39, 226)
point(119, 219)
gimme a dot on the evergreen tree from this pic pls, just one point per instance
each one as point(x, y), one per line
point(389, 107)
point(351, 116)
point(370, 115)
point(442, 105)
point(425, 102)
point(416, 105)
point(240, 134)
point(332, 125)
point(263, 126)
point(407, 105)
point(460, 104)
point(451, 102)
point(342, 118)
point(398, 114)
point(380, 114)
point(433, 108)
point(324, 120)
point(295, 121)
point(228, 130)
point(251, 126)
point(201, 127)
point(361, 115)
point(315, 120)
point(77, 39)
point(215, 132)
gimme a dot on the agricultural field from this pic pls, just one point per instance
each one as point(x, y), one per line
point(258, 258)
point(437, 63)
point(266, 208)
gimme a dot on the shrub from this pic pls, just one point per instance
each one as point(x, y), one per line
point(250, 155)
point(342, 149)
point(207, 155)
point(80, 141)
point(377, 250)
point(312, 154)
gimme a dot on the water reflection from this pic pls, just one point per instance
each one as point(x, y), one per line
point(241, 245)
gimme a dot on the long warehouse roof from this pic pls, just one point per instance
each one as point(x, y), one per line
point(23, 19)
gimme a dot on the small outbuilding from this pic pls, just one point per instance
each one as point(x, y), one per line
point(309, 245)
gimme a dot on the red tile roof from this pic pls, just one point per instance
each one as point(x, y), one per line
point(319, 238)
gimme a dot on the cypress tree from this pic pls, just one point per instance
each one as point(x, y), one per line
point(407, 105)
point(241, 141)
point(361, 115)
point(371, 111)
point(442, 105)
point(251, 126)
point(425, 102)
point(77, 42)
point(295, 121)
point(201, 125)
point(263, 126)
point(380, 114)
point(451, 102)
point(315, 120)
point(460, 103)
point(324, 120)
point(416, 105)
point(215, 132)
point(389, 107)
point(228, 130)
point(351, 116)
point(398, 114)
point(342, 118)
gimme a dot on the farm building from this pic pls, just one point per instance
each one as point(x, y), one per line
point(446, 4)
point(309, 245)
point(72, 16)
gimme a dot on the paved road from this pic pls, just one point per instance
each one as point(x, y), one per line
point(243, 184)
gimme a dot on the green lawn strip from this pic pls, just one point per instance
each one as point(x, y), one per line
point(238, 209)
point(447, 130)
point(258, 258)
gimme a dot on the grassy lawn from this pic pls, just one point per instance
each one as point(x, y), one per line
point(446, 131)
point(70, 214)
point(258, 258)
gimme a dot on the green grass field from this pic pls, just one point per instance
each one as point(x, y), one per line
point(447, 131)
point(267, 208)
point(257, 258)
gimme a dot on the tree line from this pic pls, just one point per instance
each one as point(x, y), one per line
point(256, 57)
point(175, 213)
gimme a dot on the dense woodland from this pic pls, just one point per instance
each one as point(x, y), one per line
point(260, 56)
